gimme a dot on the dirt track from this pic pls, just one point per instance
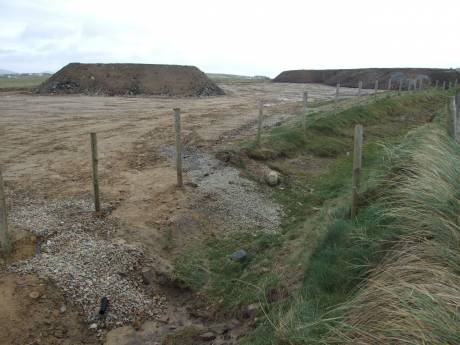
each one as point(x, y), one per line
point(44, 151)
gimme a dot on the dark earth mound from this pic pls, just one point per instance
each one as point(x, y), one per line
point(351, 77)
point(130, 79)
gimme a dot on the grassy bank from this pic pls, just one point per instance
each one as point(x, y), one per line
point(321, 258)
point(413, 295)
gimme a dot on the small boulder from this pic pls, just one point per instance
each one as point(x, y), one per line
point(251, 311)
point(208, 336)
point(148, 275)
point(222, 328)
point(239, 256)
point(160, 272)
point(34, 294)
point(272, 178)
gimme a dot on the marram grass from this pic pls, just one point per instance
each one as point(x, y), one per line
point(413, 296)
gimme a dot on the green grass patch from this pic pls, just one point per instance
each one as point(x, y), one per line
point(319, 248)
point(22, 81)
point(348, 248)
point(230, 284)
point(330, 134)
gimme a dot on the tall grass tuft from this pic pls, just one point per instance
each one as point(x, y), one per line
point(413, 295)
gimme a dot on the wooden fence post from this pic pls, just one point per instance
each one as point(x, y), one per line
point(260, 121)
point(357, 164)
point(389, 84)
point(305, 110)
point(400, 87)
point(457, 101)
point(337, 92)
point(360, 86)
point(178, 147)
point(455, 83)
point(436, 84)
point(376, 87)
point(452, 118)
point(444, 85)
point(94, 163)
point(5, 241)
point(408, 84)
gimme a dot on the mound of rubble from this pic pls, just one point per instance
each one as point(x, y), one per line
point(82, 259)
point(130, 79)
point(351, 77)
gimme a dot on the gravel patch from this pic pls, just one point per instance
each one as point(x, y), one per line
point(83, 264)
point(45, 217)
point(234, 203)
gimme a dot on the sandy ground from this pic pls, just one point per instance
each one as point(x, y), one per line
point(45, 154)
point(45, 151)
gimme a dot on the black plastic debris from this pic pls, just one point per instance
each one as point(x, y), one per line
point(104, 305)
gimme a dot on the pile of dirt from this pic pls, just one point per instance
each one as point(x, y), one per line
point(351, 77)
point(130, 79)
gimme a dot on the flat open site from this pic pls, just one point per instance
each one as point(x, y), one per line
point(44, 141)
point(45, 158)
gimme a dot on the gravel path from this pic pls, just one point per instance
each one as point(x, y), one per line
point(233, 202)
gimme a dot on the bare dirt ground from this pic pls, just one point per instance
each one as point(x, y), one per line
point(45, 158)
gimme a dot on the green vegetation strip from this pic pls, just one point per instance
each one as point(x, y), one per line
point(21, 82)
point(321, 257)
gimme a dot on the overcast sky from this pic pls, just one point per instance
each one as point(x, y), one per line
point(241, 37)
